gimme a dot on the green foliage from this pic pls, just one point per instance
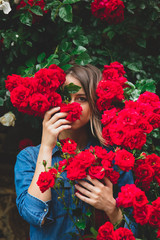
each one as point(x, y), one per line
point(66, 32)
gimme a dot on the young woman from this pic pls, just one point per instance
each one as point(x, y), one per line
point(45, 213)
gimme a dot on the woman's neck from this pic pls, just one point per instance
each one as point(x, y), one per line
point(80, 136)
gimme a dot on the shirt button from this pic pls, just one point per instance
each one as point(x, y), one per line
point(45, 210)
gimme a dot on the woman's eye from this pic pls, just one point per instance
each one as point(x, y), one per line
point(82, 99)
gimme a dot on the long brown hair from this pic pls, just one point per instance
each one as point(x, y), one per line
point(89, 77)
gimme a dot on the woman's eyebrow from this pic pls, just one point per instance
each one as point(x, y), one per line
point(81, 94)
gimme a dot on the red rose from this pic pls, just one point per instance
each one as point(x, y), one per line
point(84, 158)
point(75, 171)
point(54, 99)
point(108, 116)
point(12, 81)
point(153, 160)
point(110, 90)
point(154, 120)
point(102, 155)
point(20, 97)
point(112, 10)
point(135, 139)
point(73, 109)
point(59, 72)
point(128, 117)
point(144, 175)
point(106, 135)
point(124, 160)
point(125, 197)
point(40, 3)
point(62, 165)
point(140, 199)
point(103, 104)
point(148, 97)
point(142, 214)
point(154, 218)
point(46, 180)
point(124, 233)
point(112, 175)
point(118, 66)
point(97, 172)
point(144, 125)
point(69, 146)
point(117, 133)
point(106, 232)
point(39, 104)
point(158, 233)
point(45, 81)
point(157, 173)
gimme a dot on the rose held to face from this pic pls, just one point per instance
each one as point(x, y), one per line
point(79, 99)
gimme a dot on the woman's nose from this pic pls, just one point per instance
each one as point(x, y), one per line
point(72, 100)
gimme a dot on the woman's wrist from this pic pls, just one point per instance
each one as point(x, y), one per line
point(115, 216)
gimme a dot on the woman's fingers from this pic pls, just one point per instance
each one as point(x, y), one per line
point(60, 122)
point(108, 182)
point(49, 113)
point(94, 181)
point(57, 116)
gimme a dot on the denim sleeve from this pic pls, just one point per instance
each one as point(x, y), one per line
point(127, 178)
point(32, 209)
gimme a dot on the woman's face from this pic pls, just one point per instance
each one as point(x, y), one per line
point(79, 97)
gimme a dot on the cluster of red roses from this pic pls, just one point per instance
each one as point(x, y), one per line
point(95, 162)
point(143, 212)
point(36, 95)
point(110, 88)
point(106, 232)
point(125, 127)
point(32, 3)
point(110, 10)
point(146, 170)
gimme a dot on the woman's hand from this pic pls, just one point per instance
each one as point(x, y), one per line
point(54, 122)
point(100, 196)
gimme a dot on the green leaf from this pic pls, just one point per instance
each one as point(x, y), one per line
point(133, 67)
point(146, 85)
point(88, 213)
point(36, 10)
point(81, 40)
point(78, 50)
point(1, 101)
point(64, 46)
point(41, 57)
point(135, 95)
point(64, 58)
point(130, 84)
point(71, 88)
point(141, 42)
point(93, 231)
point(53, 61)
point(70, 1)
point(31, 62)
point(65, 12)
point(111, 34)
point(83, 59)
point(26, 18)
point(81, 224)
point(158, 148)
point(66, 66)
point(29, 43)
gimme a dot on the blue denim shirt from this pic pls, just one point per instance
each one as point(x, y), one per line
point(58, 224)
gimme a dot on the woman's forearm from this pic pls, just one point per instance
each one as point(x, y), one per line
point(45, 153)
